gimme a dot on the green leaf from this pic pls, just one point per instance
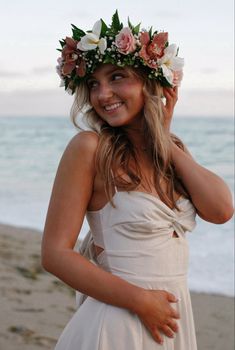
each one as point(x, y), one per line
point(129, 24)
point(79, 31)
point(74, 27)
point(136, 29)
point(107, 59)
point(66, 83)
point(62, 42)
point(59, 50)
point(104, 28)
point(73, 88)
point(116, 25)
point(77, 35)
point(150, 32)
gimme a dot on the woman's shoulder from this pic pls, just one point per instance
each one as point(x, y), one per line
point(81, 150)
point(85, 141)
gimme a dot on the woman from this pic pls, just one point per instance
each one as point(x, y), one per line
point(139, 188)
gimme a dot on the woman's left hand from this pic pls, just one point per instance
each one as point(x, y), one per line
point(171, 95)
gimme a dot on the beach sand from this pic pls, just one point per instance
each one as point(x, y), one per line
point(36, 306)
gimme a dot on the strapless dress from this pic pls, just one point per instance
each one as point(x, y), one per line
point(138, 246)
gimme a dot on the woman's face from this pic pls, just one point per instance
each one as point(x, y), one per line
point(116, 95)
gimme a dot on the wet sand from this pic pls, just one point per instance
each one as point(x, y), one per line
point(36, 306)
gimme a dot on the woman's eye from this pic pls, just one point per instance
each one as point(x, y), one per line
point(92, 84)
point(117, 76)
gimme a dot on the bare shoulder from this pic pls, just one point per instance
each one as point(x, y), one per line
point(78, 159)
point(82, 145)
point(85, 141)
point(72, 189)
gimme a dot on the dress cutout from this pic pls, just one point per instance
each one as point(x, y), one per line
point(138, 242)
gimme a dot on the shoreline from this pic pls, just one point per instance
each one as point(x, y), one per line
point(35, 306)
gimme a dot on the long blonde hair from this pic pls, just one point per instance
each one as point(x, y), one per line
point(116, 151)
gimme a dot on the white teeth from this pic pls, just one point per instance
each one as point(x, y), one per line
point(112, 107)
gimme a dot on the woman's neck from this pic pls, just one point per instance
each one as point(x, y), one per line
point(137, 135)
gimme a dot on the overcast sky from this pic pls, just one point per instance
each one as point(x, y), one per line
point(30, 31)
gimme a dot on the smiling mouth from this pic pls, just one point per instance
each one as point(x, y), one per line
point(113, 106)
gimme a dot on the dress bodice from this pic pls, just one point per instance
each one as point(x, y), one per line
point(137, 239)
point(139, 218)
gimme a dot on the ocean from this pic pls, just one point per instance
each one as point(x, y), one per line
point(30, 151)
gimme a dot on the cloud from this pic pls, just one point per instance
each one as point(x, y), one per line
point(83, 14)
point(168, 14)
point(36, 71)
point(43, 70)
point(11, 74)
point(209, 70)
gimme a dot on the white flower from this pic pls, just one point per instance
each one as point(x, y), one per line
point(90, 41)
point(170, 63)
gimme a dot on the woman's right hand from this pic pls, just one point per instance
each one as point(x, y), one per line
point(157, 314)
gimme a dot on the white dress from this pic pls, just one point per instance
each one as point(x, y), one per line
point(137, 238)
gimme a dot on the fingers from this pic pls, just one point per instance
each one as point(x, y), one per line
point(176, 89)
point(168, 331)
point(171, 298)
point(175, 314)
point(173, 326)
point(171, 95)
point(170, 328)
point(162, 321)
point(157, 335)
point(170, 91)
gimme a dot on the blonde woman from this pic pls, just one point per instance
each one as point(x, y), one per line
point(139, 188)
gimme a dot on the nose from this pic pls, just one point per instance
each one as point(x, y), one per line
point(105, 92)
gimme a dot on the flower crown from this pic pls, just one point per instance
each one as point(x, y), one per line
point(121, 46)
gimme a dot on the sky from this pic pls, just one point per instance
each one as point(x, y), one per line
point(203, 30)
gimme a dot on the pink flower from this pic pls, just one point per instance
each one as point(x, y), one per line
point(81, 68)
point(144, 38)
point(151, 51)
point(72, 58)
point(177, 77)
point(125, 41)
point(157, 46)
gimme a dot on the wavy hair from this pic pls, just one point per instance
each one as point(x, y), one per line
point(116, 151)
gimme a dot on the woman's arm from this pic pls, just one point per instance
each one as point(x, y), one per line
point(209, 193)
point(71, 194)
point(69, 200)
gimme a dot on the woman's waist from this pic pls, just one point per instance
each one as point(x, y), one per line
point(152, 278)
point(152, 264)
point(170, 282)
point(146, 237)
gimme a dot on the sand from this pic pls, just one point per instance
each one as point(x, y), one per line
point(36, 306)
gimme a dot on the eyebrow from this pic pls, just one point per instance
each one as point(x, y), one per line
point(110, 71)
